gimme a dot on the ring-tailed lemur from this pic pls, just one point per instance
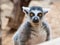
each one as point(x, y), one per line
point(35, 30)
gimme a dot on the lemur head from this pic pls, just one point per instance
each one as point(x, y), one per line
point(35, 13)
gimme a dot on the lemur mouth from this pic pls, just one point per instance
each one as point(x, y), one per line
point(35, 21)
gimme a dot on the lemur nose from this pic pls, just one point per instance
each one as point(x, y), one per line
point(35, 20)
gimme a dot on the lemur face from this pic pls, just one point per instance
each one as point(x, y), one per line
point(35, 13)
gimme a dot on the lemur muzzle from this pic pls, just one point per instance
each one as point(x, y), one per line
point(35, 20)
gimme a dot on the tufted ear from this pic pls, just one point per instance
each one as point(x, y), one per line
point(26, 10)
point(45, 10)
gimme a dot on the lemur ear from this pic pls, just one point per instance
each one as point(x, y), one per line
point(45, 10)
point(26, 10)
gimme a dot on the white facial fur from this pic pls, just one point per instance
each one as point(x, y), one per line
point(45, 10)
point(36, 12)
point(26, 9)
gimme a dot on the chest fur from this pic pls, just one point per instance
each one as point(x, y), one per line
point(38, 35)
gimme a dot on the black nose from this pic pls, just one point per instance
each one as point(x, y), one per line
point(35, 20)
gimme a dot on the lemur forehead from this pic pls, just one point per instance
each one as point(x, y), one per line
point(36, 8)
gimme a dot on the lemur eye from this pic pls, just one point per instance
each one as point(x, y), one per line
point(31, 14)
point(39, 14)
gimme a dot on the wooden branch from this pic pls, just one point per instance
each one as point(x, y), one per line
point(18, 13)
point(0, 28)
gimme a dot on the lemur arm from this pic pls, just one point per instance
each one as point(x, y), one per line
point(22, 35)
point(16, 38)
point(48, 30)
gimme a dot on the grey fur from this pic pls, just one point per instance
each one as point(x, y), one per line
point(47, 29)
point(30, 33)
point(36, 8)
point(26, 33)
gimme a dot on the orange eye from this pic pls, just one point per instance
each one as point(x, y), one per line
point(31, 14)
point(40, 14)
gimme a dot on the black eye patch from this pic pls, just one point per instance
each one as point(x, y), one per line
point(32, 14)
point(40, 15)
